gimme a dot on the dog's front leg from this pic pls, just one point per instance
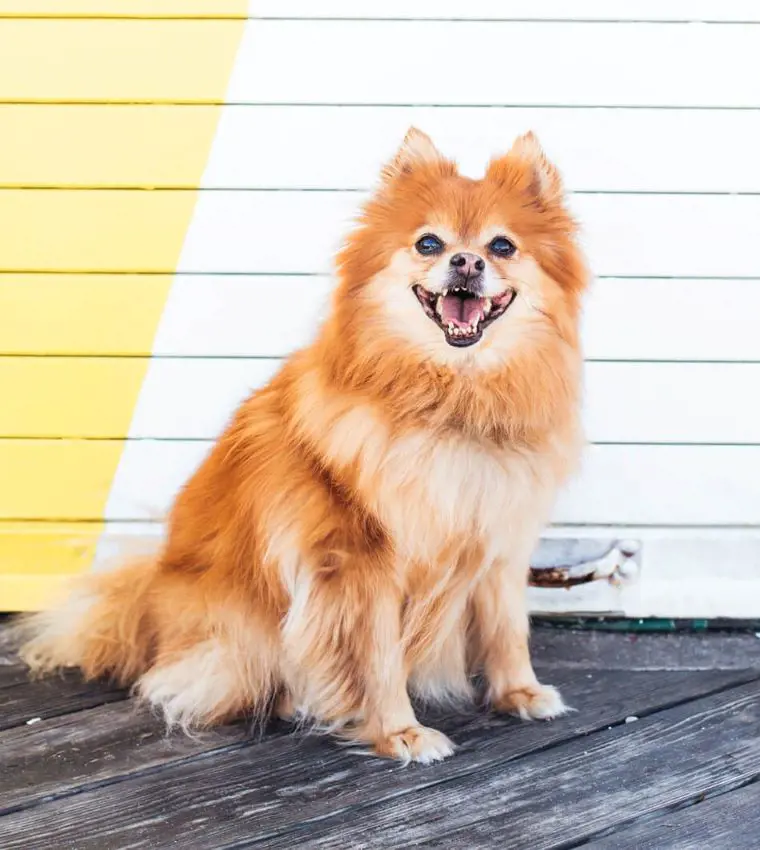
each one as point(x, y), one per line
point(500, 614)
point(344, 642)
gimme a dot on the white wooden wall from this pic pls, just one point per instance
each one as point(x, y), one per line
point(651, 110)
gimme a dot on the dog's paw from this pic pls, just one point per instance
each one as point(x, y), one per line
point(535, 702)
point(417, 743)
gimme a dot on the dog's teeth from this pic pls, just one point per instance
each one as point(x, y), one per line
point(450, 327)
point(487, 305)
point(439, 305)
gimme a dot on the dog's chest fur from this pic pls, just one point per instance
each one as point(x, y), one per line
point(436, 492)
point(432, 491)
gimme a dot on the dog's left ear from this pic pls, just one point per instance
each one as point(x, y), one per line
point(545, 180)
point(416, 150)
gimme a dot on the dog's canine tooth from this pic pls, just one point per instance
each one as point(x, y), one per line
point(486, 305)
point(439, 305)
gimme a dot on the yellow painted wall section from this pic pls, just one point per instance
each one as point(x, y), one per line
point(38, 559)
point(105, 61)
point(102, 145)
point(79, 314)
point(45, 230)
point(124, 8)
point(68, 396)
point(86, 231)
point(56, 479)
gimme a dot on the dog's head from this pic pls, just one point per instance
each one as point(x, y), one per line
point(463, 271)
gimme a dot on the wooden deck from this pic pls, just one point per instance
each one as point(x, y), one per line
point(663, 752)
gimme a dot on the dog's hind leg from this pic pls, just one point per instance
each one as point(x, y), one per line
point(230, 673)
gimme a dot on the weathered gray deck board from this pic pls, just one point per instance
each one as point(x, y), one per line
point(275, 785)
point(603, 650)
point(98, 772)
point(570, 792)
point(12, 674)
point(46, 758)
point(69, 752)
point(729, 821)
point(52, 697)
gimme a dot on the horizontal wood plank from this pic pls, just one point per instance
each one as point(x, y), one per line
point(247, 794)
point(90, 313)
point(12, 674)
point(671, 320)
point(728, 820)
point(52, 60)
point(86, 231)
point(69, 397)
point(212, 316)
point(48, 548)
point(505, 50)
point(656, 150)
point(105, 144)
point(699, 403)
point(111, 230)
point(59, 479)
point(613, 10)
point(119, 739)
point(53, 697)
point(619, 484)
point(85, 60)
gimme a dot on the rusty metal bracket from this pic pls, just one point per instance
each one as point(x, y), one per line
point(617, 563)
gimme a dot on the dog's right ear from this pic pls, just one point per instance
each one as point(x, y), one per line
point(417, 150)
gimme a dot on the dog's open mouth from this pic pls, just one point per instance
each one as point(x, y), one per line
point(462, 315)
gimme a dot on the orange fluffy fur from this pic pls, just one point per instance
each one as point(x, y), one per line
point(362, 529)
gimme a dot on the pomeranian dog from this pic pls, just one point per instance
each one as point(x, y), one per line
point(362, 530)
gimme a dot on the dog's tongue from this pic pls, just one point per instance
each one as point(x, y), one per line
point(461, 311)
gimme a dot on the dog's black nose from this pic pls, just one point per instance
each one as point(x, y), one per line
point(468, 265)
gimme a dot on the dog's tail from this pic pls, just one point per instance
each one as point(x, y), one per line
point(103, 627)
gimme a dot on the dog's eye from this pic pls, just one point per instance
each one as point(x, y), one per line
point(502, 247)
point(429, 244)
